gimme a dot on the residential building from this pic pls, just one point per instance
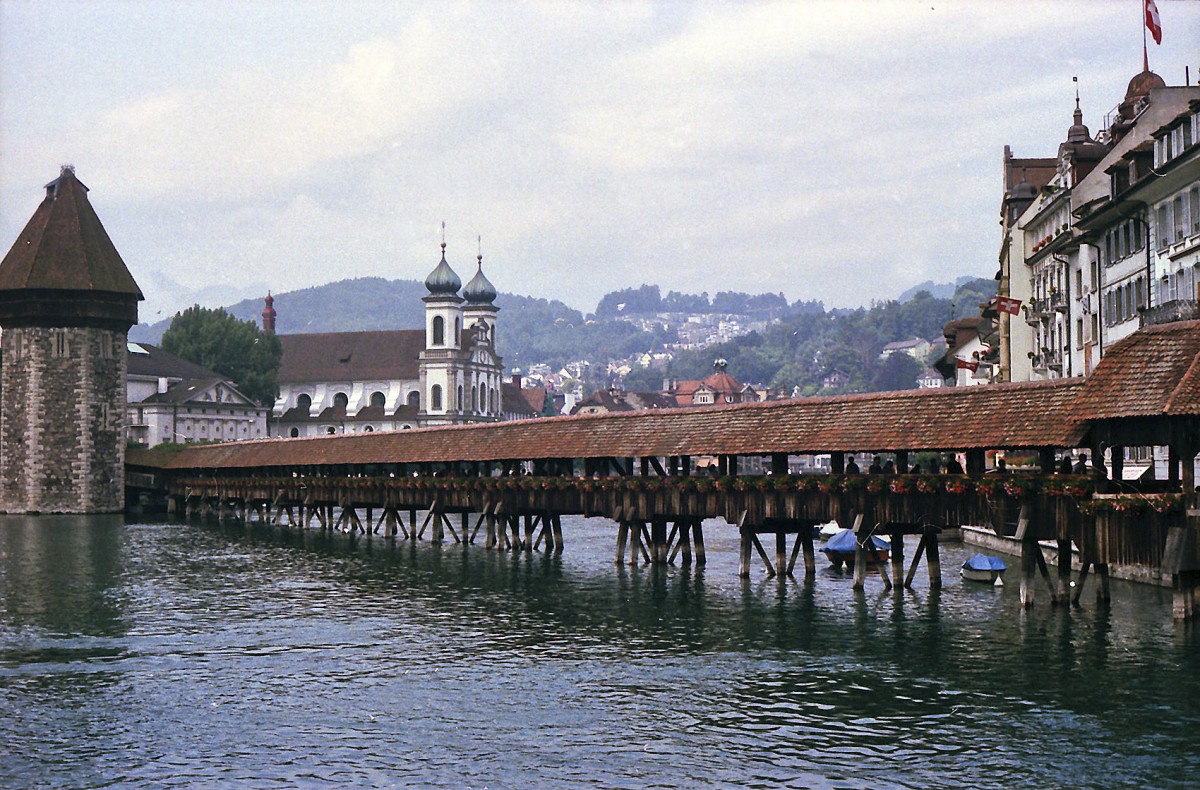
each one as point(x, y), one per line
point(916, 348)
point(719, 388)
point(172, 400)
point(1097, 234)
point(931, 379)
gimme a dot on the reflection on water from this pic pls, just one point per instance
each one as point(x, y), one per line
point(171, 653)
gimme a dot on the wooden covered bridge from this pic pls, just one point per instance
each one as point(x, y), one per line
point(514, 481)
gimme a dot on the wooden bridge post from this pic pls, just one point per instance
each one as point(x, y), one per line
point(746, 534)
point(698, 541)
point(860, 554)
point(781, 555)
point(897, 554)
point(810, 559)
point(489, 535)
point(556, 532)
point(658, 541)
point(635, 545)
point(685, 540)
point(933, 560)
point(527, 544)
point(1102, 593)
point(622, 540)
point(1064, 571)
point(1028, 564)
point(438, 533)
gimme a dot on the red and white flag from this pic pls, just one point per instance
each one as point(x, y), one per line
point(964, 364)
point(1152, 21)
point(1006, 304)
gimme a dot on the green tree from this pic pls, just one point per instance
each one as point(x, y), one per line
point(236, 349)
point(897, 372)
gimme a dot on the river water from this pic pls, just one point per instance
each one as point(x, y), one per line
point(174, 654)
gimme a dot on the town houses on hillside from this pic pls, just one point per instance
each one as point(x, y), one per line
point(717, 389)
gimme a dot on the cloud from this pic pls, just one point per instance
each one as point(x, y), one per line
point(833, 150)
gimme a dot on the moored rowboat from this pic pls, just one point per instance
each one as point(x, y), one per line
point(982, 568)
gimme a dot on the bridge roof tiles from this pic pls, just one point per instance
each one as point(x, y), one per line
point(1024, 415)
point(1152, 372)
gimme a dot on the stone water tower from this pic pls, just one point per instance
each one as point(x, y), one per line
point(66, 304)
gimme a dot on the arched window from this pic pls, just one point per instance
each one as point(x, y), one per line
point(457, 332)
point(341, 399)
point(303, 402)
point(458, 404)
point(474, 398)
point(414, 399)
point(439, 331)
point(378, 400)
point(435, 397)
point(368, 429)
point(295, 432)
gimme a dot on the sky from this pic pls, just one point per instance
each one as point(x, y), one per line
point(841, 151)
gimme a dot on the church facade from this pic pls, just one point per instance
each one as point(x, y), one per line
point(361, 382)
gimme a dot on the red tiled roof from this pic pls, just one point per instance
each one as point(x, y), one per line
point(535, 397)
point(1152, 372)
point(513, 398)
point(1025, 415)
point(351, 356)
point(723, 383)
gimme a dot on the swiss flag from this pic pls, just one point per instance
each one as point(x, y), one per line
point(1152, 21)
point(1006, 304)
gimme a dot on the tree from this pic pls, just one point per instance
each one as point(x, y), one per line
point(898, 372)
point(236, 349)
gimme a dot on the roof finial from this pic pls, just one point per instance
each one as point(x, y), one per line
point(443, 237)
point(479, 257)
point(1078, 112)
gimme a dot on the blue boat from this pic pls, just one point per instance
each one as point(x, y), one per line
point(842, 546)
point(982, 568)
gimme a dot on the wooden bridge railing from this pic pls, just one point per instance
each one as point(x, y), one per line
point(1128, 528)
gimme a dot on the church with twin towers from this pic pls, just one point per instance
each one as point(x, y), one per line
point(359, 382)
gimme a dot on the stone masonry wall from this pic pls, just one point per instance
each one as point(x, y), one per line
point(62, 405)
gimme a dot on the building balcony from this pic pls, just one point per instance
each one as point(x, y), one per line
point(1169, 312)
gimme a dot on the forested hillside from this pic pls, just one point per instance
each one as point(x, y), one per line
point(799, 349)
point(802, 348)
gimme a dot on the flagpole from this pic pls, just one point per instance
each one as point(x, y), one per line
point(1145, 53)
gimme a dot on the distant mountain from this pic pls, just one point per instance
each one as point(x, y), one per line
point(936, 290)
point(530, 330)
point(344, 306)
